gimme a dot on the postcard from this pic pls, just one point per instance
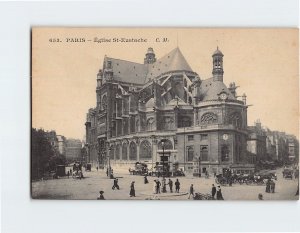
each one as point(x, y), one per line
point(165, 113)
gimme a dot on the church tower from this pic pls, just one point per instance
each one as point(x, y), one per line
point(150, 57)
point(217, 65)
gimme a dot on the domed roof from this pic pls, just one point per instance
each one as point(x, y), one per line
point(211, 89)
point(217, 52)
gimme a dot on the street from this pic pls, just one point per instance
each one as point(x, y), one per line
point(88, 188)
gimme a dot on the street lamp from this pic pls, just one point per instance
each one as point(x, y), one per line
point(199, 160)
point(163, 157)
point(153, 138)
point(163, 160)
point(108, 161)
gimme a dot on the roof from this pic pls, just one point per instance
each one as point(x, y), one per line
point(211, 89)
point(128, 71)
point(172, 61)
point(218, 52)
point(138, 73)
point(150, 103)
point(175, 102)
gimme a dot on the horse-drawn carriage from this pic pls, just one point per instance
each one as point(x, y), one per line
point(287, 173)
point(256, 179)
point(161, 170)
point(77, 171)
point(139, 169)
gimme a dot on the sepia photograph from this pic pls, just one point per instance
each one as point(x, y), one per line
point(164, 114)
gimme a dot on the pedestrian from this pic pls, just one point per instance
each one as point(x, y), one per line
point(230, 181)
point(106, 171)
point(68, 174)
point(177, 186)
point(206, 175)
point(219, 193)
point(268, 186)
point(170, 185)
point(101, 197)
point(146, 180)
point(116, 185)
point(158, 184)
point(97, 168)
point(163, 184)
point(70, 171)
point(154, 187)
point(213, 191)
point(191, 191)
point(272, 186)
point(132, 190)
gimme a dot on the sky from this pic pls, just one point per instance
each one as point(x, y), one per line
point(262, 62)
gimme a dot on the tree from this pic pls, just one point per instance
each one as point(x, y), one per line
point(43, 155)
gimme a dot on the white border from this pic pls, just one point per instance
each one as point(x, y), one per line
point(21, 214)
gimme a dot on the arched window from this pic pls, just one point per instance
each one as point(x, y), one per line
point(132, 124)
point(137, 125)
point(104, 102)
point(204, 153)
point(236, 119)
point(124, 151)
point(125, 126)
point(112, 152)
point(118, 151)
point(145, 150)
point(184, 121)
point(190, 153)
point(224, 153)
point(209, 118)
point(132, 151)
point(167, 145)
point(168, 123)
point(150, 124)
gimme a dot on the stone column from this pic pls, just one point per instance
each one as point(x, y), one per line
point(138, 150)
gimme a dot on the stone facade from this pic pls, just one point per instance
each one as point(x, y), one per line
point(73, 150)
point(257, 142)
point(138, 105)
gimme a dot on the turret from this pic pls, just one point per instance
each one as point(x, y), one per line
point(217, 65)
point(150, 57)
point(99, 78)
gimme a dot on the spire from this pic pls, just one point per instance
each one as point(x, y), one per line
point(217, 65)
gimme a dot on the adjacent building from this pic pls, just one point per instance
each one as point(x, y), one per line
point(52, 138)
point(73, 150)
point(161, 110)
point(257, 142)
point(61, 140)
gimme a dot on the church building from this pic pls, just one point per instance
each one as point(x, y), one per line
point(162, 110)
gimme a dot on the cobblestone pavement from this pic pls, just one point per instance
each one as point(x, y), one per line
point(89, 187)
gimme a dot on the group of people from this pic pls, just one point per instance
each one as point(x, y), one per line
point(270, 186)
point(159, 187)
point(216, 192)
